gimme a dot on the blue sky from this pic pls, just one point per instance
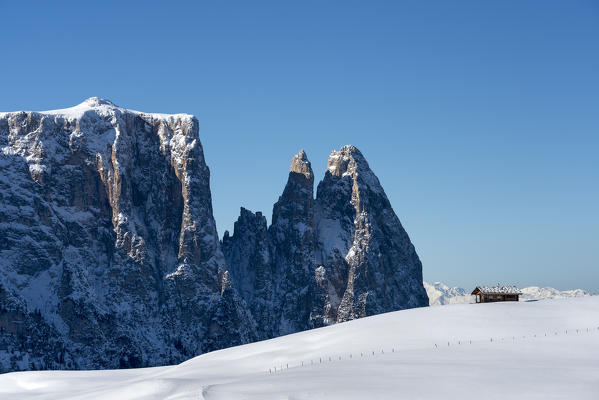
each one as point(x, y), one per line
point(481, 119)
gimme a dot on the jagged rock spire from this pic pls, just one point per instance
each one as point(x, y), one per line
point(297, 201)
point(342, 256)
point(247, 255)
point(383, 270)
point(301, 165)
point(291, 243)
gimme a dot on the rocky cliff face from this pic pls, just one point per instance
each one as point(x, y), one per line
point(368, 264)
point(291, 243)
point(109, 255)
point(274, 268)
point(341, 256)
point(248, 255)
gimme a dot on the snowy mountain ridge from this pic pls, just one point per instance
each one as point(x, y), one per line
point(99, 106)
point(441, 294)
point(539, 293)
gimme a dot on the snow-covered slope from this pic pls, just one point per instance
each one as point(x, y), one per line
point(527, 350)
point(441, 294)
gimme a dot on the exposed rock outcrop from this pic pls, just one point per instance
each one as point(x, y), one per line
point(370, 264)
point(109, 255)
point(291, 243)
point(341, 256)
point(248, 255)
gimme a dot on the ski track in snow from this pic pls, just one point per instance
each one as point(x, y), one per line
point(528, 350)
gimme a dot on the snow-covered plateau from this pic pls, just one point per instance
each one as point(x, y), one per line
point(528, 350)
point(440, 294)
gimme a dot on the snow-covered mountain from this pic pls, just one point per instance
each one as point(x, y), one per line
point(440, 294)
point(341, 256)
point(527, 350)
point(109, 255)
point(537, 293)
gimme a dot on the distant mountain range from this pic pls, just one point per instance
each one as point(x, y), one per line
point(441, 294)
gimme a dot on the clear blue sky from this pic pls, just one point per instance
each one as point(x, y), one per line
point(481, 118)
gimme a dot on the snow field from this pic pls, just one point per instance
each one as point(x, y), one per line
point(358, 355)
point(530, 356)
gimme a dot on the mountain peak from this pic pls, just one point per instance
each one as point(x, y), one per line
point(350, 149)
point(98, 101)
point(301, 165)
point(100, 106)
point(347, 160)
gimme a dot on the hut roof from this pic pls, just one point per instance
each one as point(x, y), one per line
point(496, 290)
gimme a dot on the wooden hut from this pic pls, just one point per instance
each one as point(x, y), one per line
point(489, 294)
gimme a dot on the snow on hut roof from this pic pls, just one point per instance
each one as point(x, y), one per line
point(497, 290)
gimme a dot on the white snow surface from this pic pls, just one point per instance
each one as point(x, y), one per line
point(499, 289)
point(102, 106)
point(528, 350)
